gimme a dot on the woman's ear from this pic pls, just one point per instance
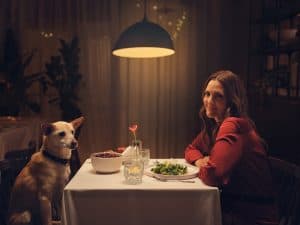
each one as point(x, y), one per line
point(228, 112)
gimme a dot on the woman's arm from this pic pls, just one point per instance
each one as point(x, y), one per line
point(225, 154)
point(195, 150)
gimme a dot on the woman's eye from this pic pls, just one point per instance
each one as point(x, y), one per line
point(62, 134)
point(206, 94)
point(219, 96)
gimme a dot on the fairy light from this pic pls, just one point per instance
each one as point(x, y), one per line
point(173, 25)
point(47, 34)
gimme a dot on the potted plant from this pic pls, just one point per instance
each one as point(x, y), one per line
point(14, 83)
point(64, 76)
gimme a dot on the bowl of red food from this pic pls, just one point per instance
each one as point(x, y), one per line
point(106, 162)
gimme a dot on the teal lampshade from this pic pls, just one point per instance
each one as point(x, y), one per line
point(144, 40)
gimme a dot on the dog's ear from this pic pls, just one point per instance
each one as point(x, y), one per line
point(77, 122)
point(47, 128)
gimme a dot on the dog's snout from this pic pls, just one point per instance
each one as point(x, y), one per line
point(74, 144)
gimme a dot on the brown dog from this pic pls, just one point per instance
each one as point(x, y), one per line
point(41, 182)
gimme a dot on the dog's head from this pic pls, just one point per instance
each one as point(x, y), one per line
point(60, 135)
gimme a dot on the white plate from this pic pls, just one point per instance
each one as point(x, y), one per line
point(192, 172)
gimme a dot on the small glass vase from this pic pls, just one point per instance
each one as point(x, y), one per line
point(133, 150)
point(133, 164)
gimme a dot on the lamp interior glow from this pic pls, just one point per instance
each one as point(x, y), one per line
point(143, 52)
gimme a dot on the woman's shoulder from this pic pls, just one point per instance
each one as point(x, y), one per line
point(236, 125)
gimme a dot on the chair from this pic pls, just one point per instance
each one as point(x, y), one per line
point(9, 170)
point(286, 178)
point(75, 160)
point(14, 161)
point(20, 154)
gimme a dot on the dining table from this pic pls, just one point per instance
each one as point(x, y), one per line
point(94, 198)
point(18, 133)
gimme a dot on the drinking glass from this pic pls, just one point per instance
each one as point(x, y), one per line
point(145, 156)
point(133, 171)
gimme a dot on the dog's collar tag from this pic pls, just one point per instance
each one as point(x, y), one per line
point(55, 158)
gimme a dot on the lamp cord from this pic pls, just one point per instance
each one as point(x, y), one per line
point(145, 9)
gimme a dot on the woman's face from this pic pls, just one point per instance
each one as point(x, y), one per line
point(214, 101)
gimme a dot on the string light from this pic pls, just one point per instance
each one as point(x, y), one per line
point(174, 26)
point(47, 34)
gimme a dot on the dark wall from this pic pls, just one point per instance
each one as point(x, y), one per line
point(278, 120)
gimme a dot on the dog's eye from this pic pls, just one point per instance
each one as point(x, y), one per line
point(72, 131)
point(62, 134)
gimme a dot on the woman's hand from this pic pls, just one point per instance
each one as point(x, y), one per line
point(202, 162)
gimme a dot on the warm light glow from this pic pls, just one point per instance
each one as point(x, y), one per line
point(143, 52)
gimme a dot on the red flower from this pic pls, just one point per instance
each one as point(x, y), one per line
point(133, 128)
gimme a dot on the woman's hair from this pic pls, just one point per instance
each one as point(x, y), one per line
point(236, 98)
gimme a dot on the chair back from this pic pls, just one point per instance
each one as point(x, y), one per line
point(10, 167)
point(286, 178)
point(9, 170)
point(20, 154)
point(75, 163)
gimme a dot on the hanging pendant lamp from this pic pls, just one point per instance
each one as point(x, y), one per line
point(144, 40)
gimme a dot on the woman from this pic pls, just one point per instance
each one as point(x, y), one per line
point(231, 155)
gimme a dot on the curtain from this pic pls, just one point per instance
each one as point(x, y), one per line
point(161, 96)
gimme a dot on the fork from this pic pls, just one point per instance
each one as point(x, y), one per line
point(166, 180)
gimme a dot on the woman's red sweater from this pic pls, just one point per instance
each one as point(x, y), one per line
point(238, 165)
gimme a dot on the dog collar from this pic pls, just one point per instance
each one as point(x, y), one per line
point(55, 158)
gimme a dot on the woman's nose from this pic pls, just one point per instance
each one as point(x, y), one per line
point(210, 99)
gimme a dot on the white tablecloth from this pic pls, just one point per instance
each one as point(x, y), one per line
point(105, 199)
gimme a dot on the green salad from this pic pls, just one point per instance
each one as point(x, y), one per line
point(168, 168)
